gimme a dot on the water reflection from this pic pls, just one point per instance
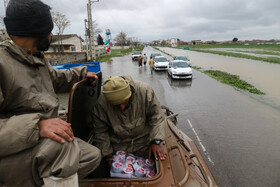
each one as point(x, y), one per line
point(179, 83)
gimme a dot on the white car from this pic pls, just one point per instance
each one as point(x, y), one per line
point(135, 55)
point(184, 58)
point(179, 69)
point(161, 63)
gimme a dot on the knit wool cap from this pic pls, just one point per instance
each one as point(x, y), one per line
point(28, 18)
point(116, 90)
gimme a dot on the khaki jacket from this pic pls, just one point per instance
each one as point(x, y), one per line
point(27, 94)
point(133, 129)
point(151, 62)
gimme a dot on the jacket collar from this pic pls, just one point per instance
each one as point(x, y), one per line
point(23, 55)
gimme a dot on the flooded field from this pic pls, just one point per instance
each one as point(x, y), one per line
point(251, 52)
point(264, 76)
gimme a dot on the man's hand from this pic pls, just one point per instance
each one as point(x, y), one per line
point(92, 75)
point(157, 151)
point(55, 129)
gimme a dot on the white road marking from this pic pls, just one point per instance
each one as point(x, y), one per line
point(201, 145)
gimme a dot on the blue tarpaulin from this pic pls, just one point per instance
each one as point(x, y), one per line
point(92, 66)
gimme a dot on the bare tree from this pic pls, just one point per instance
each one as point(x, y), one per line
point(2, 32)
point(96, 30)
point(120, 39)
point(135, 42)
point(2, 26)
point(61, 22)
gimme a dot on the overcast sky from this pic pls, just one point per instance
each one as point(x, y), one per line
point(187, 20)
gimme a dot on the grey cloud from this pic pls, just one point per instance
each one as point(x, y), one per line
point(186, 19)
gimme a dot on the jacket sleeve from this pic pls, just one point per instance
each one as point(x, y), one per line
point(101, 132)
point(17, 133)
point(155, 116)
point(64, 79)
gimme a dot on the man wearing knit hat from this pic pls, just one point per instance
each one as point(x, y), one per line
point(34, 143)
point(128, 117)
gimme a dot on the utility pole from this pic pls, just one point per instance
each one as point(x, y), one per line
point(5, 4)
point(91, 31)
point(86, 37)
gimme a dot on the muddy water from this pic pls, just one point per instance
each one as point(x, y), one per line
point(264, 76)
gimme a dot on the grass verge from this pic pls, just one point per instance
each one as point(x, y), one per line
point(118, 53)
point(232, 80)
point(162, 51)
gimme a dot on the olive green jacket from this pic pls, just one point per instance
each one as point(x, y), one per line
point(27, 94)
point(133, 129)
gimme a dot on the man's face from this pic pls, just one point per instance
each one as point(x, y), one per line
point(43, 44)
point(123, 105)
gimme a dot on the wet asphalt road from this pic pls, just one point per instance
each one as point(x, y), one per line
point(237, 135)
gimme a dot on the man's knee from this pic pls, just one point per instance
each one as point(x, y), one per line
point(96, 154)
point(55, 159)
point(51, 150)
point(89, 159)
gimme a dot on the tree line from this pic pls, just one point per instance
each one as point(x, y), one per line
point(61, 22)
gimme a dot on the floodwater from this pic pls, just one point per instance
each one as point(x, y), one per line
point(237, 134)
point(250, 52)
point(262, 75)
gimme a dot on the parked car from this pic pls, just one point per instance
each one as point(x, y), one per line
point(153, 55)
point(135, 55)
point(179, 69)
point(184, 58)
point(161, 63)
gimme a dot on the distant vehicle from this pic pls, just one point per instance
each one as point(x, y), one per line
point(153, 55)
point(135, 55)
point(161, 63)
point(184, 58)
point(179, 69)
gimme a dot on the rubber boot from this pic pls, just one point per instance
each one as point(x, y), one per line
point(71, 181)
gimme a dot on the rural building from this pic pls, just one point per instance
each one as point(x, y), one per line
point(66, 43)
point(173, 42)
point(194, 42)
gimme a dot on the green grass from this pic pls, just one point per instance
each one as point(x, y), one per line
point(233, 80)
point(118, 53)
point(270, 49)
point(162, 51)
point(276, 53)
point(196, 68)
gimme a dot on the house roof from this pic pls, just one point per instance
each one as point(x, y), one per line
point(65, 36)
